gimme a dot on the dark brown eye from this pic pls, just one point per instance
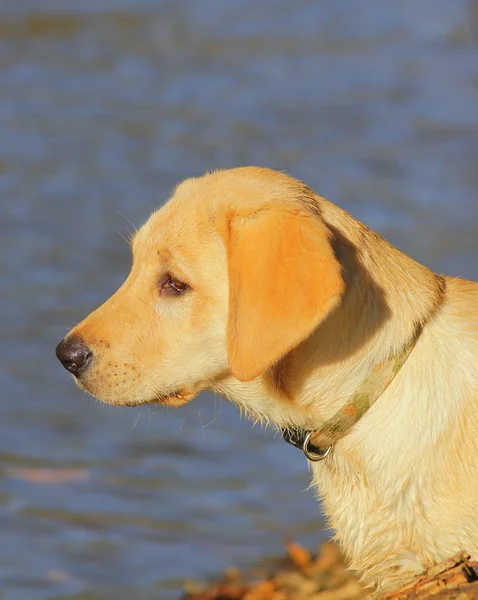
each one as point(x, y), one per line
point(172, 287)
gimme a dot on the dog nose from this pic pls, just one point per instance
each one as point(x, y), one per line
point(73, 354)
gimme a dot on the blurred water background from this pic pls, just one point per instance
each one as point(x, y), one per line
point(104, 106)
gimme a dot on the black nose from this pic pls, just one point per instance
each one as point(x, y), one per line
point(73, 354)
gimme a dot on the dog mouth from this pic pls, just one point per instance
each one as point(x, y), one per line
point(177, 398)
point(174, 398)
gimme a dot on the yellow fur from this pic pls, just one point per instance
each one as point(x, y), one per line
point(291, 304)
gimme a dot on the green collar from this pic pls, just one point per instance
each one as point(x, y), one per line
point(317, 444)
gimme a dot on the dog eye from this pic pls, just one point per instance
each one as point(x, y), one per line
point(173, 287)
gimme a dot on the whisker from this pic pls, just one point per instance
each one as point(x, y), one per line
point(130, 222)
point(131, 234)
point(202, 424)
point(137, 418)
point(128, 241)
point(211, 421)
point(179, 430)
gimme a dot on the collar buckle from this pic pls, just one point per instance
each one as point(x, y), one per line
point(314, 453)
point(301, 439)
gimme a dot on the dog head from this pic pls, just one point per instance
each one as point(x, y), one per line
point(230, 275)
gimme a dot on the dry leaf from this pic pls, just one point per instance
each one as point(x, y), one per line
point(299, 555)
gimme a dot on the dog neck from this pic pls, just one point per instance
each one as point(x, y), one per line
point(388, 297)
point(317, 444)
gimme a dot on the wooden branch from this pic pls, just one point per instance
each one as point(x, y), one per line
point(452, 579)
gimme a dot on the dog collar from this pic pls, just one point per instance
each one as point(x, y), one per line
point(317, 444)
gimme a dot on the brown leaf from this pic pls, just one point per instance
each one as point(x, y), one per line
point(299, 555)
point(264, 590)
point(328, 558)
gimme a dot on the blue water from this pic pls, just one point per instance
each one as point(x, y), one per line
point(103, 109)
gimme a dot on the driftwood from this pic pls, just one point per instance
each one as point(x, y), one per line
point(303, 576)
point(454, 579)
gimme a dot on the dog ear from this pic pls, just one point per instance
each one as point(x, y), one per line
point(284, 279)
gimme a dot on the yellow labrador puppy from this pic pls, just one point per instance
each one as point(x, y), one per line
point(248, 283)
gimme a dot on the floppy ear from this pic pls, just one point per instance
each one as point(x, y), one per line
point(283, 281)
